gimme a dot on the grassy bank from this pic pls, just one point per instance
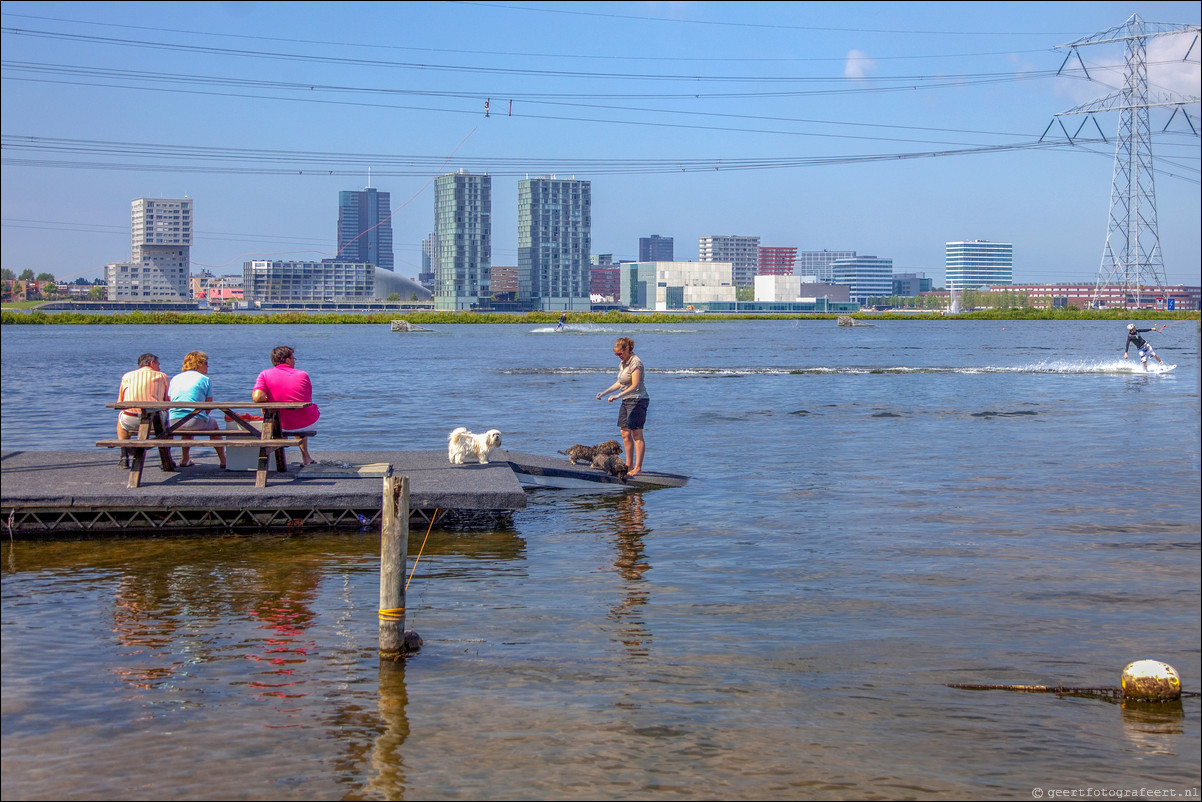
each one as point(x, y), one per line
point(15, 317)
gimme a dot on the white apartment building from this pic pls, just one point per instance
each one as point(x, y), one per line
point(265, 280)
point(158, 269)
point(817, 264)
point(865, 276)
point(977, 264)
point(740, 251)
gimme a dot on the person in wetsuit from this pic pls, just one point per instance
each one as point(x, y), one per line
point(1145, 349)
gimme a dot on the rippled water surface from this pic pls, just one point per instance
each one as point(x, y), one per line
point(874, 513)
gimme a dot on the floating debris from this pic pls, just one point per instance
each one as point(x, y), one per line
point(1142, 681)
point(848, 320)
point(405, 325)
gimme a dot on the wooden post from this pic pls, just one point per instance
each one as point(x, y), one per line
point(395, 641)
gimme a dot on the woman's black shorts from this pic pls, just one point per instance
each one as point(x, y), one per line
point(633, 414)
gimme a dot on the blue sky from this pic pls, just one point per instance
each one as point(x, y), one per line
point(884, 128)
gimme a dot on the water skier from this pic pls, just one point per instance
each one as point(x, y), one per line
point(1145, 348)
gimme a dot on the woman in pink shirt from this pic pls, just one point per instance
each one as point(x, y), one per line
point(283, 382)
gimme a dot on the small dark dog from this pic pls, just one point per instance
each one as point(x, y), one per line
point(579, 453)
point(611, 464)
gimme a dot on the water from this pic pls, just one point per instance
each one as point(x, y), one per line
point(874, 513)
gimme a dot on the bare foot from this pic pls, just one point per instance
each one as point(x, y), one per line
point(633, 472)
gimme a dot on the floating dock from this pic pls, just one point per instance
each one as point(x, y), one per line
point(83, 493)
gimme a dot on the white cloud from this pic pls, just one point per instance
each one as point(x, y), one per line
point(1167, 72)
point(858, 65)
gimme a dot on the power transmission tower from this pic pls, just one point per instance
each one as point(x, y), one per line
point(1132, 258)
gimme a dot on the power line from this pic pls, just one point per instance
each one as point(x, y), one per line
point(771, 26)
point(425, 66)
point(249, 160)
point(634, 57)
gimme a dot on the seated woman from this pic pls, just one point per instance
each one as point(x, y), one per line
point(193, 385)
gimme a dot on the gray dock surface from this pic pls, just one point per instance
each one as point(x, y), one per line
point(62, 491)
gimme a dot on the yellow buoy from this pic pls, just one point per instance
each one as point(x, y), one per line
point(1151, 681)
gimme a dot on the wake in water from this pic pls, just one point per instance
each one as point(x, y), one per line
point(1058, 367)
point(615, 330)
point(1120, 366)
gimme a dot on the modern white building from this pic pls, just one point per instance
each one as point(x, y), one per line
point(461, 251)
point(865, 276)
point(817, 264)
point(741, 251)
point(158, 269)
point(664, 286)
point(791, 289)
point(977, 264)
point(555, 223)
point(269, 281)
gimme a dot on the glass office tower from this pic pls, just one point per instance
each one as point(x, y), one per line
point(554, 243)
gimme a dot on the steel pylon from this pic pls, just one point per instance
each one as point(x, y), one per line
point(1131, 259)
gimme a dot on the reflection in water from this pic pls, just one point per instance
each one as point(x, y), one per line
point(1149, 725)
point(144, 623)
point(286, 609)
point(629, 517)
point(387, 762)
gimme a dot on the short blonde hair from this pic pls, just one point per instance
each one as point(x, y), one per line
point(625, 343)
point(195, 359)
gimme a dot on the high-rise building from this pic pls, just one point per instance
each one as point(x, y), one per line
point(656, 249)
point(554, 243)
point(866, 277)
point(158, 269)
point(426, 277)
point(776, 261)
point(977, 264)
point(742, 252)
point(365, 228)
point(462, 250)
point(817, 264)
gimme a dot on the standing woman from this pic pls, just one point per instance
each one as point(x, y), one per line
point(633, 414)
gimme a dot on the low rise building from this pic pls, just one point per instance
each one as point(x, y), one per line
point(777, 289)
point(1081, 296)
point(664, 286)
point(266, 281)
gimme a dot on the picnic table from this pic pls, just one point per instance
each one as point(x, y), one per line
point(271, 438)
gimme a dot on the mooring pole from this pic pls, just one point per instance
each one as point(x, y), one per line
point(395, 641)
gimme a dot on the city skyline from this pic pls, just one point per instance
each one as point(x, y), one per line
point(810, 126)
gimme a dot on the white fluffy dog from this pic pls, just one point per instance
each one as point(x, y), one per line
point(462, 444)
